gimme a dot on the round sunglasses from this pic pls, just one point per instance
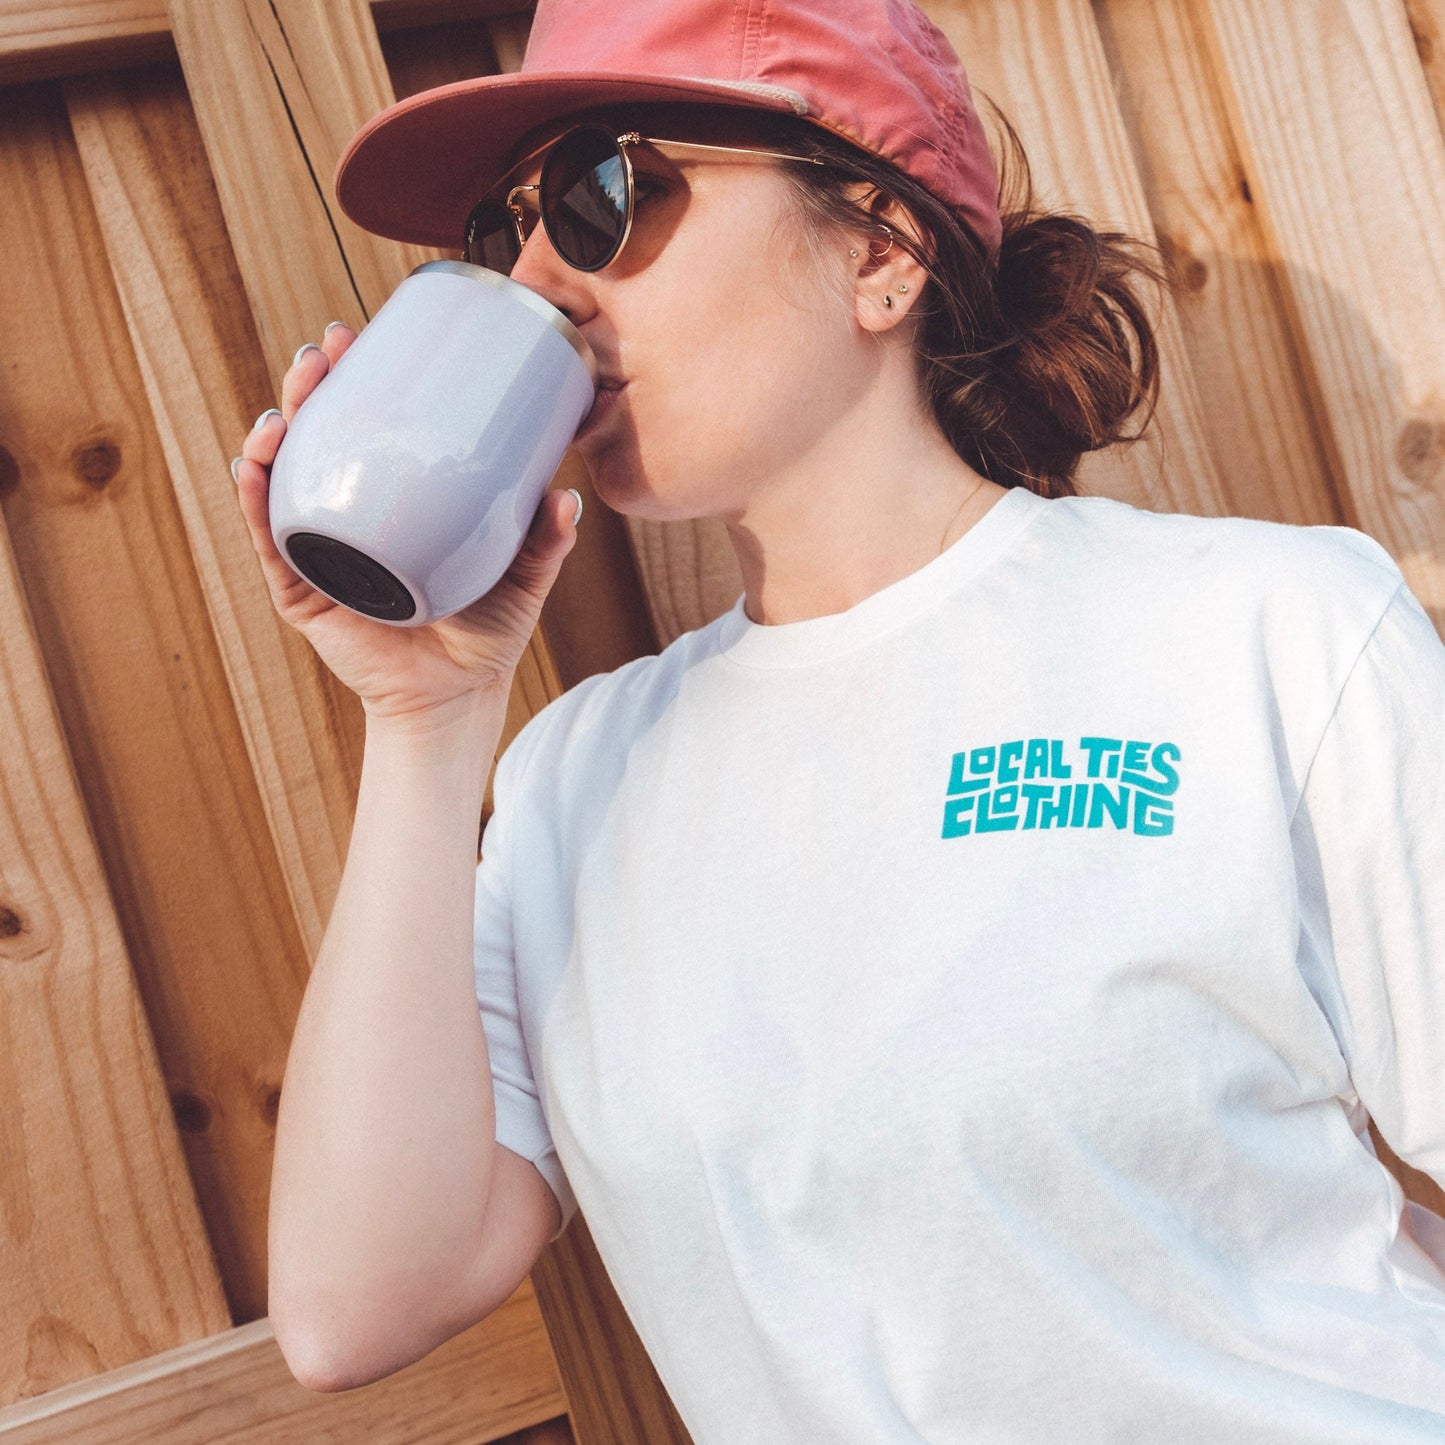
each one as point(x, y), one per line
point(586, 196)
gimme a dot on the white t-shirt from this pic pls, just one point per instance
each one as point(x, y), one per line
point(958, 1016)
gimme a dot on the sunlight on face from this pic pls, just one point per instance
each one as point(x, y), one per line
point(737, 351)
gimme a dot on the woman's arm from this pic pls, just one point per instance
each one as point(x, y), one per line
point(382, 1241)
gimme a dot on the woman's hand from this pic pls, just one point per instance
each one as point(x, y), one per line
point(400, 672)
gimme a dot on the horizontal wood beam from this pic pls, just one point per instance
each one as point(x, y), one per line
point(52, 38)
point(487, 1382)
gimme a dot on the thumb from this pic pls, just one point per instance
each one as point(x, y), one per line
point(550, 538)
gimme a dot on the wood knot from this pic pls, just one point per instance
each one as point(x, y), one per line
point(1419, 449)
point(21, 936)
point(193, 1113)
point(96, 462)
point(1190, 273)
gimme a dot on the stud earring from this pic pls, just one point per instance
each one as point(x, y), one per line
point(852, 252)
point(902, 289)
point(888, 302)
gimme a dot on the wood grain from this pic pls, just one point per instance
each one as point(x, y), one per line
point(235, 1389)
point(1252, 383)
point(47, 39)
point(1332, 113)
point(103, 1254)
point(615, 1394)
point(205, 383)
point(123, 622)
point(278, 90)
point(1043, 63)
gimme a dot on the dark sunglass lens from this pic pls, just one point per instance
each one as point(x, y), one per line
point(490, 237)
point(584, 197)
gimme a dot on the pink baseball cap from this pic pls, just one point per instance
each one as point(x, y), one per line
point(877, 72)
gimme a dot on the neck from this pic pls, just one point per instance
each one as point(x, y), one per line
point(880, 495)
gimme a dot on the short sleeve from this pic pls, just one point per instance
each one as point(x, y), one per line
point(1369, 842)
point(521, 1121)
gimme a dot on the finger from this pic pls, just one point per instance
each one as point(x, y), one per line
point(549, 539)
point(337, 337)
point(252, 486)
point(264, 438)
point(302, 378)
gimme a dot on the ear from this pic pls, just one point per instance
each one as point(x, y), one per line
point(886, 279)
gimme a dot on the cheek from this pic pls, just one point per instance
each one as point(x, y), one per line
point(740, 351)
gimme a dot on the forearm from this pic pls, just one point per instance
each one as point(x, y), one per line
point(385, 1137)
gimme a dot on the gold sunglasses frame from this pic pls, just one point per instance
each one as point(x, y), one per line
point(623, 141)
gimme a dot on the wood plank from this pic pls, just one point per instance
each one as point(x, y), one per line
point(1252, 388)
point(553, 1432)
point(123, 1268)
point(58, 38)
point(1333, 115)
point(1043, 63)
point(278, 91)
point(615, 1394)
point(493, 1379)
point(122, 621)
point(204, 379)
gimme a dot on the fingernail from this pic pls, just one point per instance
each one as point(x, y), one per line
point(301, 351)
point(235, 467)
point(577, 516)
point(262, 419)
point(331, 326)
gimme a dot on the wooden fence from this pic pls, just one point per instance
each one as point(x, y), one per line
point(178, 772)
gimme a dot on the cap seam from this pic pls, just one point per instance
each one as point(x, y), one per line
point(757, 25)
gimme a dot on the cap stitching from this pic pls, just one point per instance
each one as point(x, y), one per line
point(757, 31)
point(734, 49)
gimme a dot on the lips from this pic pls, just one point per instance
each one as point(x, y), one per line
point(608, 389)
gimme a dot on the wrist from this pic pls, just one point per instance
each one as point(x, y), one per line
point(462, 717)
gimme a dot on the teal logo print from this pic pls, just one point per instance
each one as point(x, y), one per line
point(1027, 784)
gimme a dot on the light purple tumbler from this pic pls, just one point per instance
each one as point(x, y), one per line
point(407, 480)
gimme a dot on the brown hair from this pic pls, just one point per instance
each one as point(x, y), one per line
point(1028, 363)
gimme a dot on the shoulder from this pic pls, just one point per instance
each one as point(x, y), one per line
point(1240, 562)
point(607, 708)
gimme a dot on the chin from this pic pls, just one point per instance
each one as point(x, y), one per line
point(623, 483)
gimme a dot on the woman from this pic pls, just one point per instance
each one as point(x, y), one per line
point(956, 981)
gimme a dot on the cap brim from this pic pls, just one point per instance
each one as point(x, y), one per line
point(414, 172)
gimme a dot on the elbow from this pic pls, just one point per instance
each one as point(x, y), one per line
point(316, 1360)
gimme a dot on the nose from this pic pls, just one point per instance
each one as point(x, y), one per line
point(539, 268)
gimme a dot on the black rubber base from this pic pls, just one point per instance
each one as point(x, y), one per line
point(350, 577)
